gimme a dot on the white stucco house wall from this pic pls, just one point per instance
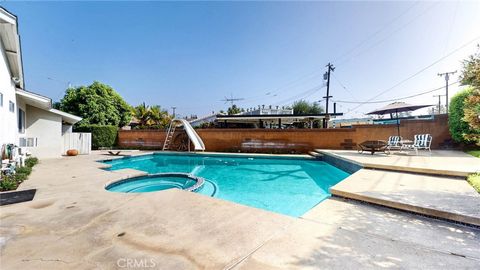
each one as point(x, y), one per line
point(26, 118)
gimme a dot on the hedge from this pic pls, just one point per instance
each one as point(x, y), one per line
point(102, 136)
point(456, 125)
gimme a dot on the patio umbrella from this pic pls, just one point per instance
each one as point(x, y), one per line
point(397, 107)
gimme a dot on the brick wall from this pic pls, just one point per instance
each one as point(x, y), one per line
point(294, 140)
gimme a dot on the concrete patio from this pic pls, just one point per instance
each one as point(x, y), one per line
point(424, 189)
point(443, 197)
point(73, 223)
point(440, 162)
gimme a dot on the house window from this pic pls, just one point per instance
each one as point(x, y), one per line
point(28, 142)
point(11, 106)
point(21, 121)
point(1, 100)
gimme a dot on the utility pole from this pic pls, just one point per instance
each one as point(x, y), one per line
point(326, 76)
point(173, 108)
point(439, 102)
point(447, 77)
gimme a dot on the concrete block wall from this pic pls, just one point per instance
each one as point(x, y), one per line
point(297, 140)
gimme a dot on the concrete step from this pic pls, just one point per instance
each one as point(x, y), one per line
point(448, 198)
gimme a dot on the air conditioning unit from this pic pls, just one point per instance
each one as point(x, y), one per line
point(28, 142)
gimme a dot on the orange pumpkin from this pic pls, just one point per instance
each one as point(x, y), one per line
point(72, 152)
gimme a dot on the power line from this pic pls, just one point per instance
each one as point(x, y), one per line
point(314, 73)
point(377, 32)
point(304, 94)
point(389, 35)
point(449, 33)
point(394, 99)
point(420, 71)
point(344, 87)
point(285, 87)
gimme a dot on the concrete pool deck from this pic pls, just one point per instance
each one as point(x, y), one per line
point(440, 162)
point(73, 223)
point(430, 194)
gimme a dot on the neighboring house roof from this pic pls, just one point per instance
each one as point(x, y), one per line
point(11, 44)
point(205, 119)
point(45, 103)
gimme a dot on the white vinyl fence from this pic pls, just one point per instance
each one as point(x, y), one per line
point(79, 141)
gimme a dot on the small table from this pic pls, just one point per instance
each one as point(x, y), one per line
point(405, 144)
point(373, 146)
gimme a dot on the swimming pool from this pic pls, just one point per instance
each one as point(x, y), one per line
point(289, 186)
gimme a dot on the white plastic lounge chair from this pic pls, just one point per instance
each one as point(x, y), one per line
point(394, 142)
point(421, 141)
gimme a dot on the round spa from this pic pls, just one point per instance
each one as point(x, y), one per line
point(157, 182)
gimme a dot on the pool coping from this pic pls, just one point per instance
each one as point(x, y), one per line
point(199, 181)
point(226, 154)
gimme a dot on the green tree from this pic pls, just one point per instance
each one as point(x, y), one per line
point(159, 117)
point(234, 110)
point(97, 103)
point(141, 114)
point(471, 115)
point(304, 107)
point(457, 126)
point(470, 100)
point(471, 70)
point(151, 116)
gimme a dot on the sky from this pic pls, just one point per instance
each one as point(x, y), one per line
point(191, 55)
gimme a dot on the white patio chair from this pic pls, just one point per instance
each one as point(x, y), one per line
point(394, 142)
point(421, 141)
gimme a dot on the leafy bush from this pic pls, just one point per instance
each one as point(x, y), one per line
point(20, 177)
point(102, 136)
point(456, 125)
point(11, 182)
point(25, 170)
point(8, 183)
point(31, 161)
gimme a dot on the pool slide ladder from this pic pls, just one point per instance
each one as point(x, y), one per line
point(192, 135)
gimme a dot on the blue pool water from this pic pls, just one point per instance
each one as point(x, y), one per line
point(289, 186)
